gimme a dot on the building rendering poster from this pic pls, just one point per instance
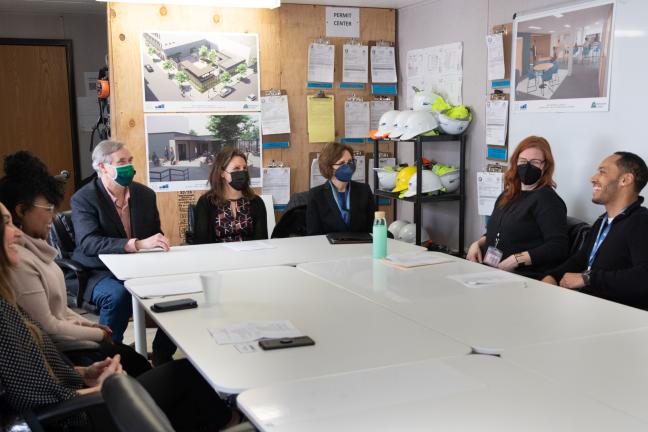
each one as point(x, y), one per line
point(180, 149)
point(200, 72)
point(561, 58)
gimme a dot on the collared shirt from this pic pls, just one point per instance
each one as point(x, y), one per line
point(124, 215)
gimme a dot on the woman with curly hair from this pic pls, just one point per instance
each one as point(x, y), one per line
point(31, 195)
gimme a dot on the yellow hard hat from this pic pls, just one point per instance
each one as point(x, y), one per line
point(403, 177)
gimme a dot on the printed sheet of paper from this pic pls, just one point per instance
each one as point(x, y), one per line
point(246, 246)
point(356, 119)
point(168, 286)
point(252, 331)
point(436, 69)
point(377, 109)
point(275, 118)
point(321, 119)
point(383, 64)
point(416, 259)
point(489, 187)
point(495, 45)
point(321, 62)
point(496, 122)
point(355, 63)
point(486, 279)
point(316, 177)
point(276, 182)
point(359, 173)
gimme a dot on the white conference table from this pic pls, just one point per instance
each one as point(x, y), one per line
point(469, 393)
point(610, 368)
point(350, 333)
point(219, 256)
point(490, 319)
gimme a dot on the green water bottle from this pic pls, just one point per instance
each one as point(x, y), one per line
point(379, 235)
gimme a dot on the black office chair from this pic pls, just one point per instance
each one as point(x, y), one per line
point(191, 224)
point(293, 221)
point(76, 276)
point(131, 407)
point(577, 231)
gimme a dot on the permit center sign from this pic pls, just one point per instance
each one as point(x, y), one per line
point(342, 22)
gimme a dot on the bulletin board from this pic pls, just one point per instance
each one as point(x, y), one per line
point(284, 36)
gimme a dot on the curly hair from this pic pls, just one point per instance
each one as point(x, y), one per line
point(26, 178)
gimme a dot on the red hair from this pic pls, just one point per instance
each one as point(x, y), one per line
point(512, 183)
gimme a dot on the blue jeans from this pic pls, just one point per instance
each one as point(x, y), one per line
point(114, 303)
point(115, 308)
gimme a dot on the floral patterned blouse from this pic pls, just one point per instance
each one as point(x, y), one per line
point(230, 228)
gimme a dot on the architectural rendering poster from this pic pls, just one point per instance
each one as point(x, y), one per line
point(180, 149)
point(209, 72)
point(561, 59)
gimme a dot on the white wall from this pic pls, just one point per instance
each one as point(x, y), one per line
point(579, 140)
point(90, 45)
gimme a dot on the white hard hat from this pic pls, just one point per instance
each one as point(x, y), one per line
point(423, 101)
point(386, 123)
point(452, 126)
point(386, 178)
point(431, 183)
point(419, 123)
point(399, 124)
point(450, 181)
point(408, 234)
point(396, 226)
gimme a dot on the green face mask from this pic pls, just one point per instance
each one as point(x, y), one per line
point(124, 174)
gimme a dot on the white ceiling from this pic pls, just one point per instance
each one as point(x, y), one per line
point(92, 6)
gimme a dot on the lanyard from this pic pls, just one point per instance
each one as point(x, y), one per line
point(603, 232)
point(344, 210)
point(501, 221)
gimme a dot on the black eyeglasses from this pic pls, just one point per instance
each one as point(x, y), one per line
point(351, 162)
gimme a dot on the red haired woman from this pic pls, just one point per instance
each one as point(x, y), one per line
point(527, 231)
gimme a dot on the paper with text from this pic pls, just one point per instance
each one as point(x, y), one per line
point(246, 246)
point(486, 279)
point(495, 46)
point(383, 64)
point(496, 122)
point(376, 110)
point(355, 63)
point(276, 182)
point(275, 118)
point(252, 331)
point(321, 62)
point(356, 119)
point(489, 187)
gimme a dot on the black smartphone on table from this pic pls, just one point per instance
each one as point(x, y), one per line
point(172, 305)
point(290, 342)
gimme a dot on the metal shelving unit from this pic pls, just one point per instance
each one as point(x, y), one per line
point(418, 199)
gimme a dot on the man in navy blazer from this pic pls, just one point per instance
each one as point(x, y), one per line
point(114, 215)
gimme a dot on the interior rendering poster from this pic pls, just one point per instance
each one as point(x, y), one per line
point(208, 72)
point(561, 59)
point(180, 149)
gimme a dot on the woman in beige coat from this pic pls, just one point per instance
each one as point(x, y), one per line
point(31, 195)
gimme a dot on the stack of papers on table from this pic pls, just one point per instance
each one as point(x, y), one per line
point(254, 330)
point(418, 259)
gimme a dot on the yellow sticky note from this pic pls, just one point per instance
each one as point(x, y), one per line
point(321, 119)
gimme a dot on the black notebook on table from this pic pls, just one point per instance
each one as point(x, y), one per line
point(349, 237)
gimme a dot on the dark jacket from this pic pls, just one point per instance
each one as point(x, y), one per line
point(620, 270)
point(99, 230)
point(323, 215)
point(535, 222)
point(205, 214)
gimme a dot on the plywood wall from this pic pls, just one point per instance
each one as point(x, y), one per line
point(284, 36)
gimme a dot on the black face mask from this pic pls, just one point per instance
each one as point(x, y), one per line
point(240, 180)
point(529, 174)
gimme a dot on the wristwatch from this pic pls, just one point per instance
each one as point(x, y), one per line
point(587, 277)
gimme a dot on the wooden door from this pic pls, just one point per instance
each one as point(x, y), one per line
point(37, 105)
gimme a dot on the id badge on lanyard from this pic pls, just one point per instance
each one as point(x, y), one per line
point(493, 255)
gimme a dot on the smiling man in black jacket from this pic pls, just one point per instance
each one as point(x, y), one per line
point(613, 264)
